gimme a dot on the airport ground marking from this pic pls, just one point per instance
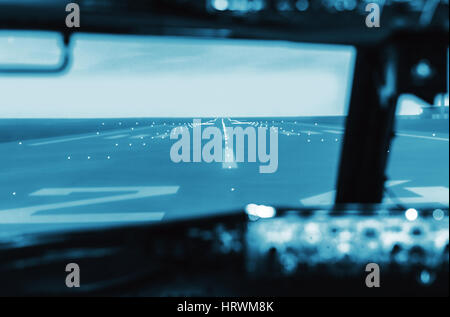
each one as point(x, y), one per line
point(28, 215)
point(424, 194)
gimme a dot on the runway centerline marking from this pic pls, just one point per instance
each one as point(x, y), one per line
point(229, 161)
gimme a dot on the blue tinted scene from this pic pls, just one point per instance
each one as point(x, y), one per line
point(224, 148)
point(124, 95)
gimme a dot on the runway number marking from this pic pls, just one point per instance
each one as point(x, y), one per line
point(425, 194)
point(27, 215)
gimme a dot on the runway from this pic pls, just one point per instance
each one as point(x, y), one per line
point(121, 173)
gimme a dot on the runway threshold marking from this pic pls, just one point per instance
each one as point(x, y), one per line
point(27, 215)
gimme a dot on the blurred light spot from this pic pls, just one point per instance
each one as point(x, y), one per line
point(441, 239)
point(343, 247)
point(410, 105)
point(302, 5)
point(280, 237)
point(260, 211)
point(438, 214)
point(345, 235)
point(411, 214)
point(312, 231)
point(220, 5)
point(425, 277)
point(350, 4)
point(423, 69)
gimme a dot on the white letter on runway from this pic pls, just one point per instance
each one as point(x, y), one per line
point(197, 141)
point(273, 150)
point(215, 143)
point(184, 144)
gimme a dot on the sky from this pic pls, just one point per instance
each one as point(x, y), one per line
point(147, 76)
